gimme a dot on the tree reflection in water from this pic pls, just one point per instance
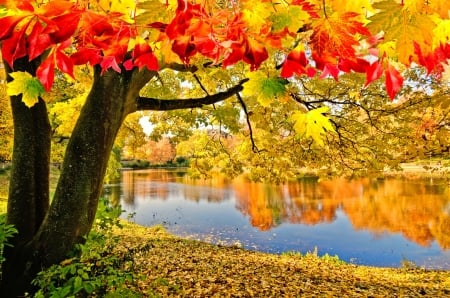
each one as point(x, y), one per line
point(420, 211)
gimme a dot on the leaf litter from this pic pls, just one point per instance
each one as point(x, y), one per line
point(176, 267)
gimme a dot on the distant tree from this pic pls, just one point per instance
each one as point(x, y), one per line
point(161, 151)
point(6, 126)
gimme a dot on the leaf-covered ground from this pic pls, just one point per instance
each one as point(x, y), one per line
point(175, 267)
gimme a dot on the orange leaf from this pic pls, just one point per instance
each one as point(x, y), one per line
point(338, 34)
point(255, 54)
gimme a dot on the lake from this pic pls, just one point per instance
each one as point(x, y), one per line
point(379, 222)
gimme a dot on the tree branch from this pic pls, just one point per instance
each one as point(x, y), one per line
point(154, 104)
point(249, 124)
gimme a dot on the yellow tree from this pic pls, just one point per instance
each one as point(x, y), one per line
point(6, 127)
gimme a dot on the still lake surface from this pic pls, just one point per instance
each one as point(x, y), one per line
point(367, 221)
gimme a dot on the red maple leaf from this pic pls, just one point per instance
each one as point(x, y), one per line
point(333, 43)
point(110, 62)
point(67, 25)
point(373, 72)
point(394, 81)
point(184, 48)
point(232, 53)
point(14, 47)
point(90, 56)
point(46, 72)
point(64, 63)
point(8, 24)
point(142, 56)
point(356, 65)
point(295, 63)
point(38, 40)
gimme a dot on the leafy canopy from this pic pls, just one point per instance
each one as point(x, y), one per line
point(281, 40)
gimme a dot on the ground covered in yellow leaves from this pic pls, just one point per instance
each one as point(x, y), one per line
point(175, 267)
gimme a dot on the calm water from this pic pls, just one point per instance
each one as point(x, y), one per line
point(372, 222)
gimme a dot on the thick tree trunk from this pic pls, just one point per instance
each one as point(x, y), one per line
point(29, 187)
point(29, 183)
point(76, 197)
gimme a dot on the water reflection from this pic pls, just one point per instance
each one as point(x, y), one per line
point(419, 211)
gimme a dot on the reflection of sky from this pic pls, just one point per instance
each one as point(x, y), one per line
point(211, 215)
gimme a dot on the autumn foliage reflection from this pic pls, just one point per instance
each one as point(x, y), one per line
point(419, 211)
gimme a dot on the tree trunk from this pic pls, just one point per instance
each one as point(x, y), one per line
point(72, 212)
point(29, 182)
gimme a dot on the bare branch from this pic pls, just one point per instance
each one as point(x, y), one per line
point(201, 85)
point(244, 107)
point(154, 104)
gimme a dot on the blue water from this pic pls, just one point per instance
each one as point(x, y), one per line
point(214, 214)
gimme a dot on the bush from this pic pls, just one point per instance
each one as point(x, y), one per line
point(182, 161)
point(6, 232)
point(135, 164)
point(96, 268)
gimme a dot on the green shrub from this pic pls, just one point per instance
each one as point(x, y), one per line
point(6, 232)
point(182, 161)
point(95, 268)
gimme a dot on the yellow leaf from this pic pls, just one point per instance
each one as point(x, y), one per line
point(264, 88)
point(441, 34)
point(359, 6)
point(27, 85)
point(256, 15)
point(414, 6)
point(313, 124)
point(291, 17)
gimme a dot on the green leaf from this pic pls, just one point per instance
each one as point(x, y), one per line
point(27, 85)
point(313, 124)
point(264, 88)
point(77, 284)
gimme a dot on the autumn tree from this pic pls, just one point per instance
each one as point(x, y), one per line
point(132, 139)
point(6, 129)
point(132, 45)
point(369, 134)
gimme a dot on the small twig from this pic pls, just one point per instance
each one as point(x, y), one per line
point(200, 83)
point(244, 107)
